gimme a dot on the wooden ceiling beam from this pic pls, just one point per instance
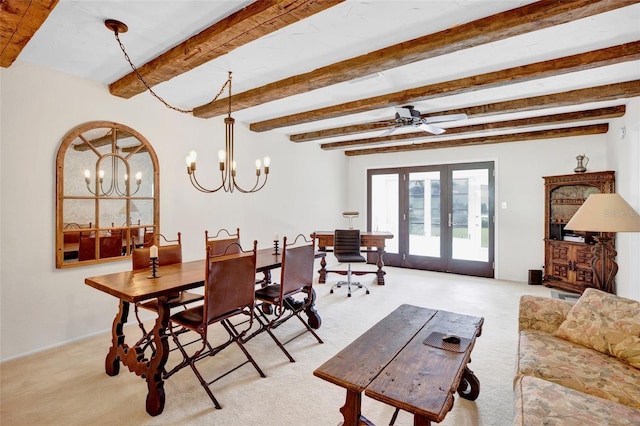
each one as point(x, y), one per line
point(551, 68)
point(20, 21)
point(249, 24)
point(603, 93)
point(545, 120)
point(532, 17)
point(593, 129)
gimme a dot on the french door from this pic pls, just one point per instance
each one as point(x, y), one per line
point(441, 216)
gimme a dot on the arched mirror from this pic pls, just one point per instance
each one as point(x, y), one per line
point(107, 194)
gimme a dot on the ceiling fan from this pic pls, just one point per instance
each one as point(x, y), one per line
point(409, 116)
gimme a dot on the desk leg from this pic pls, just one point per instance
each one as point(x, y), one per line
point(323, 271)
point(380, 273)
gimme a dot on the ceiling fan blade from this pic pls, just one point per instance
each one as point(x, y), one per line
point(388, 131)
point(442, 118)
point(431, 129)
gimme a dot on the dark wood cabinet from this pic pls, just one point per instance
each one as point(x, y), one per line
point(568, 253)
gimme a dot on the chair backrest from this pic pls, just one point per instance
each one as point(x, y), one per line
point(223, 242)
point(111, 245)
point(74, 236)
point(229, 283)
point(297, 266)
point(148, 237)
point(346, 241)
point(167, 254)
point(86, 247)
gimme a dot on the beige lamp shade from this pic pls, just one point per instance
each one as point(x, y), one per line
point(605, 213)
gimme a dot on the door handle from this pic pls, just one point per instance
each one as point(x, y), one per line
point(450, 221)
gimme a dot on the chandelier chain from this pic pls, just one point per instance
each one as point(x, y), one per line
point(158, 97)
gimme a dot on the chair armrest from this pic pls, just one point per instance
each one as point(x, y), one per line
point(542, 313)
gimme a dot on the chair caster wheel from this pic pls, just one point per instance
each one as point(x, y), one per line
point(331, 291)
point(349, 295)
point(367, 291)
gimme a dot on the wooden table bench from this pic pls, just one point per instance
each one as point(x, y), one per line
point(402, 361)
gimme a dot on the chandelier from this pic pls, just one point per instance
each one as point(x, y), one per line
point(114, 186)
point(227, 163)
point(226, 160)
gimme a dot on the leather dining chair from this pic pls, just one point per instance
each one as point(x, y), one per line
point(346, 249)
point(168, 254)
point(296, 279)
point(228, 292)
point(223, 242)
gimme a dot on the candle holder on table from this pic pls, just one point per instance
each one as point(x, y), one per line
point(154, 268)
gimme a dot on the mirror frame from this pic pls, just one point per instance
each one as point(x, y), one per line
point(66, 144)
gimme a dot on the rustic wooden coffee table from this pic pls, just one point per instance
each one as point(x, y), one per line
point(403, 361)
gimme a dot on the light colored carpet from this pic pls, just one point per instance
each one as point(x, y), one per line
point(68, 385)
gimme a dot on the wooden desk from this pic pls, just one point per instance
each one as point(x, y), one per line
point(391, 363)
point(370, 240)
point(130, 287)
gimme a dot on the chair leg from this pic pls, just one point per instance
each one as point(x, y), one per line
point(266, 325)
point(349, 283)
point(309, 329)
point(238, 339)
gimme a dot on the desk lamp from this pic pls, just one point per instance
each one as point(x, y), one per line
point(604, 213)
point(350, 216)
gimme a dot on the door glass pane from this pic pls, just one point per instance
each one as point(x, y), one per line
point(424, 214)
point(470, 214)
point(384, 207)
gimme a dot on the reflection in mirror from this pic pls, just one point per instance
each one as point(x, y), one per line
point(107, 193)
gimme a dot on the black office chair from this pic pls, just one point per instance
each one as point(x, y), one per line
point(346, 248)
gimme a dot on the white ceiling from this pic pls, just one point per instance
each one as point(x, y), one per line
point(74, 40)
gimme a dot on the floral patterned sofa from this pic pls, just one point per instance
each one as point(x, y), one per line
point(578, 362)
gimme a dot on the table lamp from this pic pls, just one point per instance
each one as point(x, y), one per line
point(350, 216)
point(604, 213)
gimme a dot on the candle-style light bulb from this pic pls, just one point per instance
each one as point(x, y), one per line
point(258, 165)
point(101, 175)
point(87, 176)
point(267, 162)
point(138, 178)
point(221, 159)
point(126, 177)
point(190, 159)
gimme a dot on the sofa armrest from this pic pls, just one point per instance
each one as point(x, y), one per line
point(542, 313)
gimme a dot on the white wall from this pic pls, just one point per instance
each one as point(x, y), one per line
point(624, 157)
point(42, 306)
point(519, 168)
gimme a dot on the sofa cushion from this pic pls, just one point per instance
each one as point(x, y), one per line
point(542, 313)
point(577, 367)
point(605, 322)
point(539, 402)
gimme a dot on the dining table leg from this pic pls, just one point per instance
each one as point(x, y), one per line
point(134, 358)
point(112, 361)
point(313, 318)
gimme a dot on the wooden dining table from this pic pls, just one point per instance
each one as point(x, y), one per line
point(134, 287)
